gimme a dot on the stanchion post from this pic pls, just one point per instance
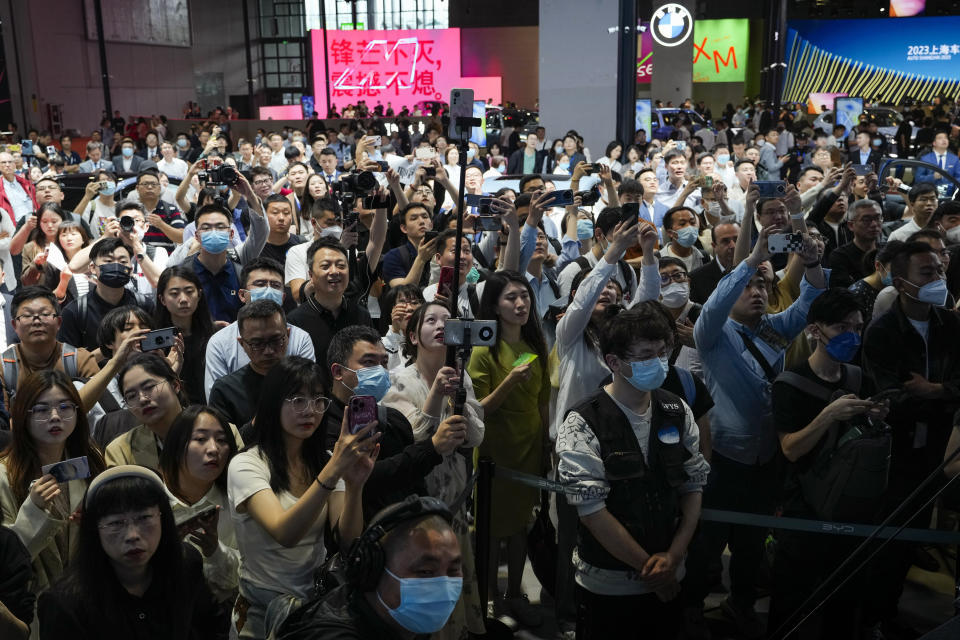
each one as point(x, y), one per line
point(485, 471)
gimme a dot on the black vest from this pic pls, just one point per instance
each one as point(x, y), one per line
point(644, 495)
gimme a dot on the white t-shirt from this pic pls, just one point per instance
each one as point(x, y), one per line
point(266, 563)
point(295, 268)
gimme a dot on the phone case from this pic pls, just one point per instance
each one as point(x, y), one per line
point(445, 285)
point(785, 243)
point(363, 411)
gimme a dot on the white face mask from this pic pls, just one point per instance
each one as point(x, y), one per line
point(332, 232)
point(953, 235)
point(675, 294)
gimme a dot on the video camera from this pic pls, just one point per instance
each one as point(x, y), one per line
point(352, 186)
point(222, 174)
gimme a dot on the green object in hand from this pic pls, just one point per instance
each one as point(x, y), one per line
point(525, 358)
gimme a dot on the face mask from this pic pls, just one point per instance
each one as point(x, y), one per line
point(297, 139)
point(722, 160)
point(675, 294)
point(473, 276)
point(844, 346)
point(501, 169)
point(182, 143)
point(934, 293)
point(687, 237)
point(646, 375)
point(425, 603)
point(564, 165)
point(214, 241)
point(558, 149)
point(127, 152)
point(109, 189)
point(266, 293)
point(114, 275)
point(371, 381)
point(887, 279)
point(953, 235)
point(584, 229)
point(471, 153)
point(331, 232)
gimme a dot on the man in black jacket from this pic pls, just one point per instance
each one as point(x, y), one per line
point(528, 159)
point(914, 348)
point(357, 360)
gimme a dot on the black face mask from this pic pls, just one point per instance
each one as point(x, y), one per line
point(114, 274)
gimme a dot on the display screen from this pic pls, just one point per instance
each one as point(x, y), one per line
point(642, 117)
point(847, 112)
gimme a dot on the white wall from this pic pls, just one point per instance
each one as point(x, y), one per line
point(61, 66)
point(578, 70)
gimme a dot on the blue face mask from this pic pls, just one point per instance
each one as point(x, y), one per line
point(646, 375)
point(425, 603)
point(473, 276)
point(887, 279)
point(471, 153)
point(934, 293)
point(723, 159)
point(584, 229)
point(687, 237)
point(371, 381)
point(109, 189)
point(182, 143)
point(564, 165)
point(127, 152)
point(501, 168)
point(214, 241)
point(266, 293)
point(842, 347)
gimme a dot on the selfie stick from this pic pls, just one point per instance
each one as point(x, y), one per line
point(824, 584)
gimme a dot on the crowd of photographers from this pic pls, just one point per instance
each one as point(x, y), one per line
point(229, 366)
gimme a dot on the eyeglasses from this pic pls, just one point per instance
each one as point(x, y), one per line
point(273, 284)
point(43, 412)
point(262, 183)
point(132, 397)
point(118, 526)
point(274, 344)
point(868, 220)
point(301, 404)
point(44, 316)
point(149, 185)
point(214, 227)
point(49, 187)
point(676, 276)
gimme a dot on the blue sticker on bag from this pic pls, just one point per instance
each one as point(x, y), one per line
point(669, 435)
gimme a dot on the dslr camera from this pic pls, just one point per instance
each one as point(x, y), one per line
point(127, 223)
point(353, 186)
point(222, 174)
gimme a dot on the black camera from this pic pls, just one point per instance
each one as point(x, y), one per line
point(127, 223)
point(589, 197)
point(354, 185)
point(221, 174)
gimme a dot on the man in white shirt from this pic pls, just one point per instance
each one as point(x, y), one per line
point(170, 164)
point(278, 158)
point(669, 190)
point(923, 202)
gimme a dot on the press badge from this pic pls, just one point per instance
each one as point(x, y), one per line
point(669, 435)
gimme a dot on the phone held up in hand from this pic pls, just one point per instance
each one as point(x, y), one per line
point(363, 411)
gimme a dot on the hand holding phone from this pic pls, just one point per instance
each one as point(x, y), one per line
point(363, 411)
point(785, 243)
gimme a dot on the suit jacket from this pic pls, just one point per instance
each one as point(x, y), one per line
point(952, 167)
point(135, 163)
point(515, 163)
point(143, 153)
point(874, 159)
point(87, 166)
point(704, 280)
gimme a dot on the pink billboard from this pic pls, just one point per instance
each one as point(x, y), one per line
point(402, 67)
point(645, 55)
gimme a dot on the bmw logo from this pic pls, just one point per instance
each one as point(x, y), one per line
point(671, 24)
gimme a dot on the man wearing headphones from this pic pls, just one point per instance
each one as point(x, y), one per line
point(404, 578)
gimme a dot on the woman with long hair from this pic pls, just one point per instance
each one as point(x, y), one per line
point(35, 239)
point(423, 391)
point(153, 394)
point(286, 489)
point(49, 426)
point(133, 577)
point(315, 189)
point(193, 463)
point(512, 382)
point(181, 304)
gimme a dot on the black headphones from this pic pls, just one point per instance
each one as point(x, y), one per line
point(366, 559)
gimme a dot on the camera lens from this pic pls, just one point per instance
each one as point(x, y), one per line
point(486, 333)
point(126, 223)
point(366, 181)
point(158, 340)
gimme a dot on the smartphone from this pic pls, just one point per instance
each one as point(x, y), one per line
point(488, 223)
point(591, 168)
point(562, 198)
point(375, 140)
point(771, 188)
point(785, 242)
point(483, 333)
point(430, 172)
point(188, 519)
point(890, 394)
point(445, 286)
point(630, 211)
point(363, 411)
point(473, 199)
point(425, 153)
point(51, 151)
point(430, 235)
point(681, 145)
point(26, 147)
point(101, 185)
point(525, 358)
point(461, 106)
point(708, 182)
point(862, 169)
point(382, 166)
point(67, 470)
point(158, 339)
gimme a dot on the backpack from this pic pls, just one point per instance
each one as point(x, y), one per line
point(11, 366)
point(847, 480)
point(689, 387)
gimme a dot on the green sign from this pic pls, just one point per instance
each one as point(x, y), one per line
point(349, 26)
point(720, 49)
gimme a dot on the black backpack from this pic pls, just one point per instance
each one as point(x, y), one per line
point(847, 480)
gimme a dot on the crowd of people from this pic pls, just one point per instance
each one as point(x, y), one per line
point(231, 407)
